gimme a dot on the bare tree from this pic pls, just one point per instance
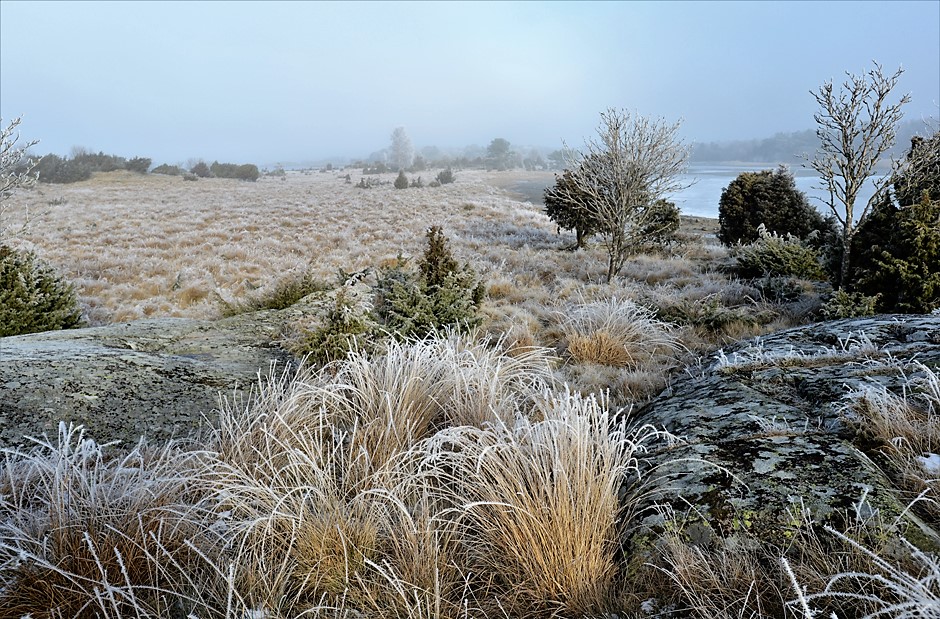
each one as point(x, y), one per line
point(16, 171)
point(633, 163)
point(855, 127)
point(401, 153)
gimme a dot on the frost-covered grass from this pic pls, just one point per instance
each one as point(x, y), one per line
point(906, 427)
point(439, 479)
point(442, 478)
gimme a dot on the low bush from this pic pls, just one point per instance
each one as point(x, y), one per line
point(282, 295)
point(244, 172)
point(33, 297)
point(55, 169)
point(346, 327)
point(445, 177)
point(775, 255)
point(169, 170)
point(844, 304)
point(201, 169)
point(138, 164)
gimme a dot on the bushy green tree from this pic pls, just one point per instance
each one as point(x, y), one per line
point(767, 197)
point(499, 154)
point(896, 250)
point(563, 205)
point(662, 225)
point(33, 297)
point(201, 169)
point(138, 164)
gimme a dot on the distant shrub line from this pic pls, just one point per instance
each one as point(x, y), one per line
point(53, 168)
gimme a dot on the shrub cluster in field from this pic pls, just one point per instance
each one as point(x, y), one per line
point(895, 263)
point(407, 302)
point(55, 169)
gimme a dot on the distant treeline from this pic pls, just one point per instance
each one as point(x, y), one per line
point(81, 165)
point(786, 147)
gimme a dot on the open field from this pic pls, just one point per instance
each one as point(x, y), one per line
point(147, 246)
point(152, 246)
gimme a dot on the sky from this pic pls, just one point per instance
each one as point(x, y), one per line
point(274, 82)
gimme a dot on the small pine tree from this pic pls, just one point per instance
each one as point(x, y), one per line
point(33, 297)
point(402, 181)
point(442, 293)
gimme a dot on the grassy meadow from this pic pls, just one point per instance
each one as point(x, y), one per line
point(482, 475)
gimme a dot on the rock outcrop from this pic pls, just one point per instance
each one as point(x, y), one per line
point(156, 378)
point(765, 440)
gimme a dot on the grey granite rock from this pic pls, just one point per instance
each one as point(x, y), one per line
point(764, 437)
point(158, 378)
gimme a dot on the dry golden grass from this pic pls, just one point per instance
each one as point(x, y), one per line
point(447, 478)
point(146, 246)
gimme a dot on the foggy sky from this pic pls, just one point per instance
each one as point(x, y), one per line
point(291, 82)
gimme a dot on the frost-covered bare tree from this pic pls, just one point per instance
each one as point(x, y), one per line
point(634, 162)
point(401, 154)
point(855, 125)
point(16, 171)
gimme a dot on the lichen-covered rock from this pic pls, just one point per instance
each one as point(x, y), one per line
point(156, 378)
point(764, 438)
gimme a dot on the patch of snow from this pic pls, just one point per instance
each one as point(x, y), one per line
point(931, 463)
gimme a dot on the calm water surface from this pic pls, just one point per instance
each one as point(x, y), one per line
point(708, 181)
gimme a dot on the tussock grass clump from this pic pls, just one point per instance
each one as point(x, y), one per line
point(906, 429)
point(330, 494)
point(538, 503)
point(283, 294)
point(87, 530)
point(616, 332)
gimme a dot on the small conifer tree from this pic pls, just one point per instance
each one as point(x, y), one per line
point(402, 181)
point(33, 297)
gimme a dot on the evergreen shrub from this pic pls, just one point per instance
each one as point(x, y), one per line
point(33, 297)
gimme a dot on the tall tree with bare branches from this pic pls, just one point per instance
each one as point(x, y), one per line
point(855, 126)
point(401, 154)
point(16, 171)
point(633, 163)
